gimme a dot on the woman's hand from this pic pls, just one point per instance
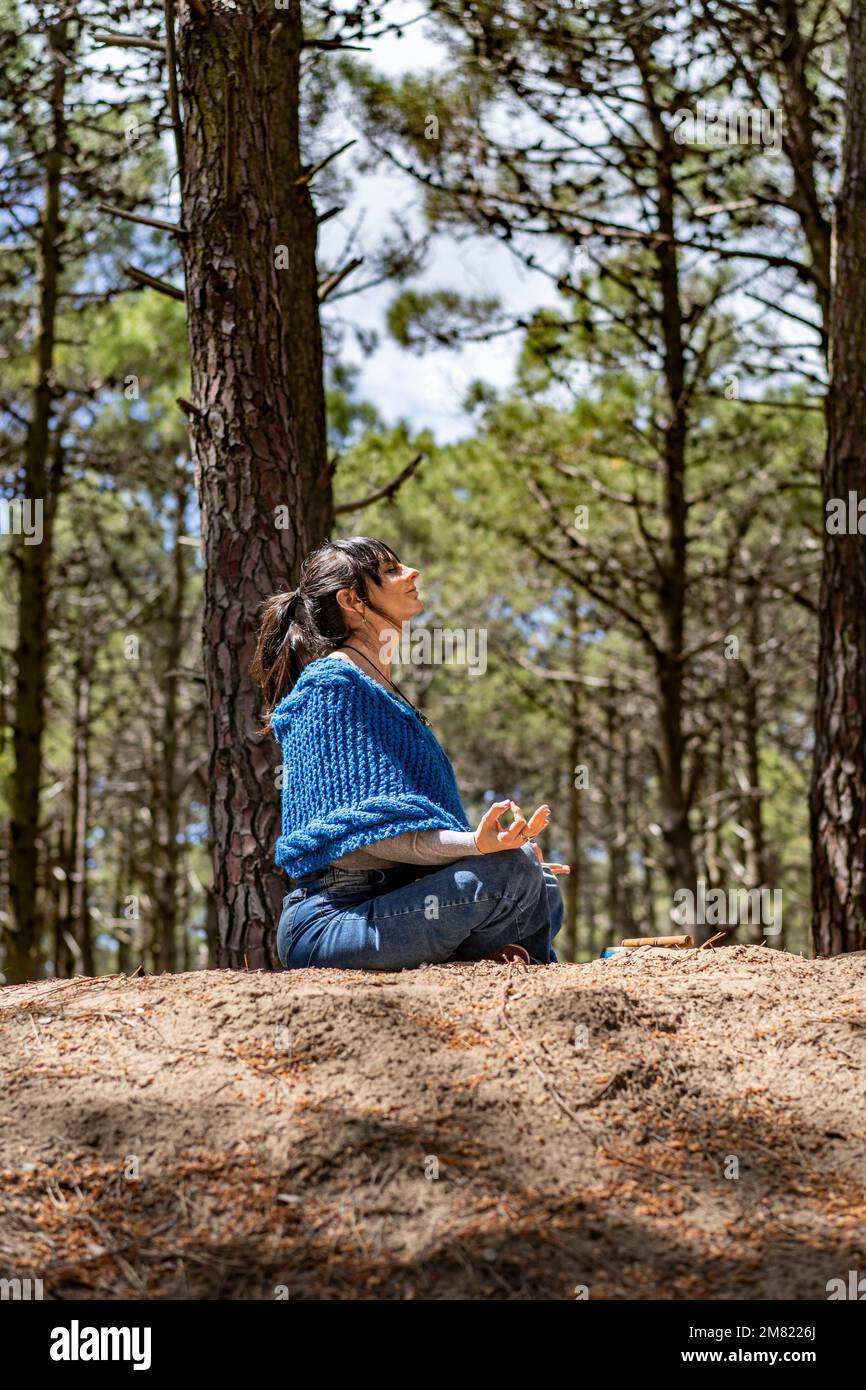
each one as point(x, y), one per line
point(491, 836)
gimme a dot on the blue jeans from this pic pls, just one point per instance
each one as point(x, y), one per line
point(409, 915)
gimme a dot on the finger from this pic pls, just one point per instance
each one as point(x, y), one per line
point(539, 819)
point(517, 832)
point(556, 868)
point(493, 812)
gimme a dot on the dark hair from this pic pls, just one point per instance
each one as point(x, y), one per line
point(299, 626)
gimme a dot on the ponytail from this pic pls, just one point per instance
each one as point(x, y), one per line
point(276, 665)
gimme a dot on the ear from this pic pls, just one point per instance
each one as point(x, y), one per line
point(349, 601)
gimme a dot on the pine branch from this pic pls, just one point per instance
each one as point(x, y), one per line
point(152, 282)
point(331, 45)
point(103, 36)
point(173, 98)
point(330, 284)
point(387, 491)
point(311, 173)
point(145, 221)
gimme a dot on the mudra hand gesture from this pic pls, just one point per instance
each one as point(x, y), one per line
point(491, 836)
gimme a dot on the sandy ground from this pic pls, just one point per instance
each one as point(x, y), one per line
point(687, 1127)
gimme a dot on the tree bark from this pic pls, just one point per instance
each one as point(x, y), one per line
point(757, 872)
point(838, 794)
point(257, 433)
point(167, 810)
point(620, 920)
point(125, 867)
point(572, 880)
point(679, 850)
point(649, 925)
point(23, 955)
point(799, 106)
point(80, 930)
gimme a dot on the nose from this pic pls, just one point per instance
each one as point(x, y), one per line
point(411, 574)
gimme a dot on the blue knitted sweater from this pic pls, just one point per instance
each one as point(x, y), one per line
point(358, 766)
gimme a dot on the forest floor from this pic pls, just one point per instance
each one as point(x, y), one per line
point(686, 1126)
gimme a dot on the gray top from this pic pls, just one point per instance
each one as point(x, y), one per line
point(413, 847)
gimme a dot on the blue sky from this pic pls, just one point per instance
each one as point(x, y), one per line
point(427, 391)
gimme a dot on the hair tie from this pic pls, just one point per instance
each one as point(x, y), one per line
point(292, 601)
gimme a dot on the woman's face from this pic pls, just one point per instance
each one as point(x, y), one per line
point(398, 596)
point(394, 601)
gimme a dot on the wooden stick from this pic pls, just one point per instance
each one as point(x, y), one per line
point(718, 936)
point(681, 941)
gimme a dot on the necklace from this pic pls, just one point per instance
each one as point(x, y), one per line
point(422, 717)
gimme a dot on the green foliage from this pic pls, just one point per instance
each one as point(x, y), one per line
point(438, 318)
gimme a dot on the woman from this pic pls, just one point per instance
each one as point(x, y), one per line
point(388, 872)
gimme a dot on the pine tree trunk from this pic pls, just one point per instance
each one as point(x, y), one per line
point(258, 439)
point(168, 812)
point(81, 930)
point(620, 921)
point(125, 861)
point(838, 803)
point(650, 925)
point(680, 863)
point(757, 870)
point(571, 882)
point(23, 959)
point(627, 827)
